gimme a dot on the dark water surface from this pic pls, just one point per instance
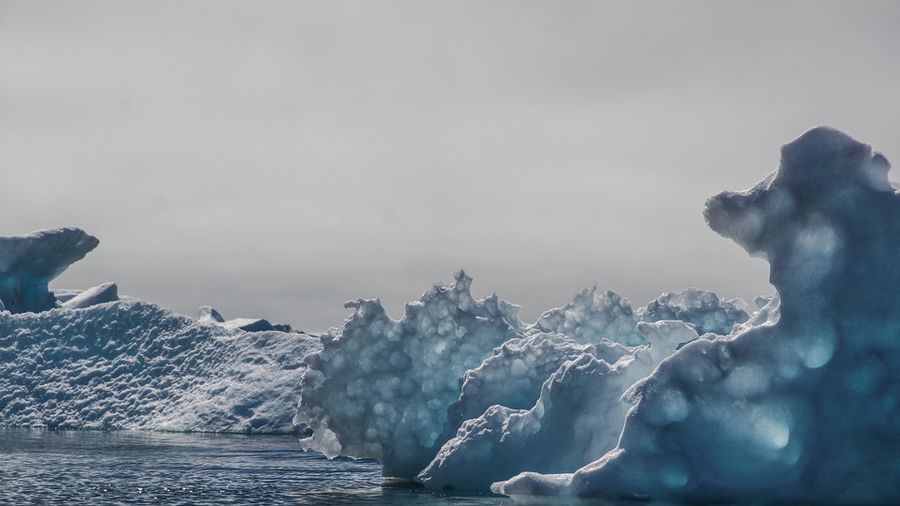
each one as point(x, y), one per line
point(130, 467)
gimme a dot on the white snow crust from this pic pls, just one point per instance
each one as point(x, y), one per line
point(134, 365)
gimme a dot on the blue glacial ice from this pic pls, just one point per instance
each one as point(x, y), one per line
point(381, 388)
point(135, 365)
point(801, 406)
point(576, 419)
point(455, 373)
point(29, 262)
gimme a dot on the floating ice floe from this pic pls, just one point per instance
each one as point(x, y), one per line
point(576, 419)
point(441, 395)
point(803, 403)
point(100, 294)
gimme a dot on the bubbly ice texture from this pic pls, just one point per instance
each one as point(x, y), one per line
point(381, 388)
point(134, 365)
point(592, 316)
point(802, 403)
point(512, 376)
point(576, 419)
point(700, 308)
point(463, 370)
point(29, 262)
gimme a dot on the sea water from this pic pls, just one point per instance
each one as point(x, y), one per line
point(136, 467)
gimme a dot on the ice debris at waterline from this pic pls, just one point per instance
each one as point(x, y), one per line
point(804, 407)
point(85, 359)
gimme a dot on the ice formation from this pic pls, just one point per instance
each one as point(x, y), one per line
point(576, 419)
point(132, 364)
point(208, 314)
point(802, 404)
point(107, 292)
point(381, 388)
point(29, 262)
point(513, 374)
point(398, 390)
point(700, 308)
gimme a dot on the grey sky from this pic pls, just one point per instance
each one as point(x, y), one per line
point(276, 159)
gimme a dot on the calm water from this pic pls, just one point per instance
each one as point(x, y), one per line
point(94, 467)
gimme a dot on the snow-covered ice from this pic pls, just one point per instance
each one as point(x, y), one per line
point(576, 419)
point(85, 359)
point(134, 365)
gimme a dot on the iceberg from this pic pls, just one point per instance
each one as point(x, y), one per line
point(452, 393)
point(592, 316)
point(381, 388)
point(85, 359)
point(701, 308)
point(802, 403)
point(134, 365)
point(512, 376)
point(29, 262)
point(576, 419)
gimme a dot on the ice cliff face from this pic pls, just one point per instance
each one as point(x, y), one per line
point(29, 262)
point(804, 405)
point(135, 365)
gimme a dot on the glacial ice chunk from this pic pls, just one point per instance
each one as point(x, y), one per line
point(801, 403)
point(381, 388)
point(134, 365)
point(29, 262)
point(208, 314)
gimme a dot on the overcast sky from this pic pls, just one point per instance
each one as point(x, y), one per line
point(277, 159)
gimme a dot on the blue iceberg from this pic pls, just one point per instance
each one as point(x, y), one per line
point(803, 405)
